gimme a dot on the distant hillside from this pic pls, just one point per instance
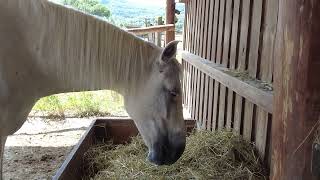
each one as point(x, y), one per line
point(128, 12)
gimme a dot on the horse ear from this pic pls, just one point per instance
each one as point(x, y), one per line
point(169, 51)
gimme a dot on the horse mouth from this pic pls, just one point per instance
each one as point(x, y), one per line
point(165, 151)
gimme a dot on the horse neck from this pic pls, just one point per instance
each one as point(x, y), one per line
point(81, 52)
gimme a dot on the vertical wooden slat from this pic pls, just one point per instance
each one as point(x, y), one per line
point(192, 25)
point(187, 27)
point(194, 87)
point(244, 28)
point(213, 57)
point(198, 74)
point(196, 51)
point(252, 64)
point(183, 82)
point(192, 49)
point(187, 30)
point(233, 57)
point(189, 88)
point(267, 50)
point(225, 59)
point(218, 38)
point(206, 44)
point(210, 104)
point(209, 52)
point(201, 44)
point(218, 59)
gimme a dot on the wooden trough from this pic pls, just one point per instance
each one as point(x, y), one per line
point(100, 130)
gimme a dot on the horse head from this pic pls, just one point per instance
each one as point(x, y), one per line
point(157, 109)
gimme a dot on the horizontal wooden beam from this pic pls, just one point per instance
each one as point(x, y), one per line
point(183, 1)
point(248, 88)
point(152, 29)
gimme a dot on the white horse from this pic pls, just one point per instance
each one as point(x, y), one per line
point(46, 48)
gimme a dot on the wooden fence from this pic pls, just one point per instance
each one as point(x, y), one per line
point(228, 66)
point(153, 33)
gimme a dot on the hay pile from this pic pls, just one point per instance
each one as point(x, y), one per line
point(208, 155)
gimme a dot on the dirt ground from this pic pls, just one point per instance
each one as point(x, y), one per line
point(39, 148)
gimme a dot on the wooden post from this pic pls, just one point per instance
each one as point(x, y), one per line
point(297, 89)
point(158, 34)
point(170, 13)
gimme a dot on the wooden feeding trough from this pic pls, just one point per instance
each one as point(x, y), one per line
point(120, 130)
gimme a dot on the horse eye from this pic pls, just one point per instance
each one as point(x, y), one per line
point(173, 93)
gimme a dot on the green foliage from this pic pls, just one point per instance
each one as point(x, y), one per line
point(81, 104)
point(89, 6)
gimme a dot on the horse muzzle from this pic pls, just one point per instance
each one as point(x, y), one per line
point(167, 151)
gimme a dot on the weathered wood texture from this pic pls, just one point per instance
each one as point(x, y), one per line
point(297, 89)
point(238, 35)
point(170, 12)
point(119, 130)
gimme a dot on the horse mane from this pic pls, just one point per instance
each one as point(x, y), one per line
point(90, 51)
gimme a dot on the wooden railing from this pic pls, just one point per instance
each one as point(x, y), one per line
point(258, 92)
point(153, 33)
point(152, 29)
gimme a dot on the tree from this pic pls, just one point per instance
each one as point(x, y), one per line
point(89, 6)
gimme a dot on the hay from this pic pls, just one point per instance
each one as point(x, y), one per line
point(208, 155)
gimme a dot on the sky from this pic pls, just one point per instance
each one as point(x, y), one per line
point(149, 2)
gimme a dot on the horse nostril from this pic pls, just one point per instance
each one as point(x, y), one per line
point(154, 158)
point(167, 152)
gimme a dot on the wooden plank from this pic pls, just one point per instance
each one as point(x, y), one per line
point(227, 33)
point(232, 61)
point(255, 38)
point(197, 44)
point(70, 169)
point(266, 70)
point(186, 80)
point(183, 64)
point(208, 56)
point(193, 112)
point(197, 26)
point(191, 29)
point(210, 103)
point(215, 30)
point(220, 32)
point(297, 89)
point(206, 43)
point(215, 105)
point(246, 88)
point(205, 99)
point(201, 27)
point(198, 74)
point(255, 26)
point(242, 55)
point(218, 59)
point(269, 38)
point(225, 59)
point(206, 6)
point(170, 19)
point(201, 47)
point(187, 29)
point(194, 38)
point(190, 89)
point(210, 28)
point(152, 29)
